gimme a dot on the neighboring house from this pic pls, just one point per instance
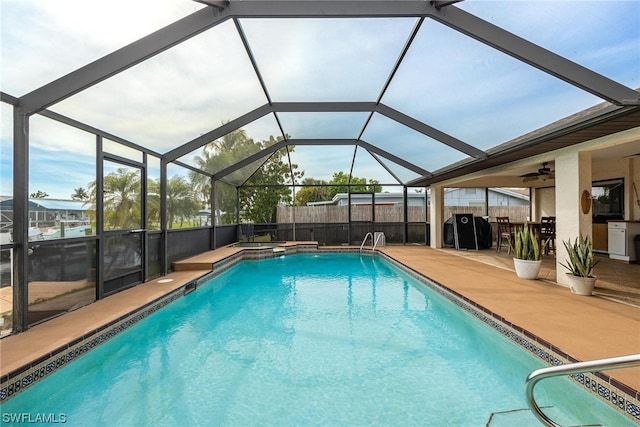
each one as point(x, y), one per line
point(477, 197)
point(452, 197)
point(381, 199)
point(47, 215)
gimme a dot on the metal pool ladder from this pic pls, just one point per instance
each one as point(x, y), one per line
point(369, 234)
point(572, 368)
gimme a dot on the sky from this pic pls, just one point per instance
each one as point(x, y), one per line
point(447, 80)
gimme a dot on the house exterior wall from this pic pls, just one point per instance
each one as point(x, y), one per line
point(629, 170)
point(452, 197)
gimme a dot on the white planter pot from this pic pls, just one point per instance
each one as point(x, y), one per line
point(581, 285)
point(526, 269)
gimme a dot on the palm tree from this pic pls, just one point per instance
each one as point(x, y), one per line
point(39, 195)
point(181, 202)
point(80, 194)
point(122, 199)
point(153, 204)
point(215, 156)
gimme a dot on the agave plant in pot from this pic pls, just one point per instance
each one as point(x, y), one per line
point(527, 255)
point(580, 265)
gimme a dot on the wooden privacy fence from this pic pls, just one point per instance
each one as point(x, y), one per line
point(340, 214)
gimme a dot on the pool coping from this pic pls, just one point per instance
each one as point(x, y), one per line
point(609, 390)
point(616, 394)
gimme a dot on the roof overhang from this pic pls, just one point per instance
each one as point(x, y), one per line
point(601, 120)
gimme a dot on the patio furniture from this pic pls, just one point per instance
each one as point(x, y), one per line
point(548, 233)
point(504, 233)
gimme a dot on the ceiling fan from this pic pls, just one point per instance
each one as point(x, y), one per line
point(544, 172)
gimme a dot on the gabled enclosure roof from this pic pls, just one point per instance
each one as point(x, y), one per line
point(406, 92)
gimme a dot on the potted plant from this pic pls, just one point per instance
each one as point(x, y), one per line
point(527, 254)
point(580, 265)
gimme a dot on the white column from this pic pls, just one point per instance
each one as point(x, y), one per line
point(632, 196)
point(436, 212)
point(572, 178)
point(535, 204)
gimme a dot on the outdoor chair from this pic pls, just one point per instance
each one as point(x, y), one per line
point(548, 233)
point(504, 233)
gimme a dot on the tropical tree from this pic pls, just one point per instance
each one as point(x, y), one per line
point(153, 204)
point(39, 195)
point(312, 191)
point(268, 188)
point(216, 156)
point(80, 194)
point(341, 184)
point(263, 183)
point(181, 202)
point(122, 199)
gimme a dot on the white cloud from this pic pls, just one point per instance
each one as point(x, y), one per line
point(42, 41)
point(446, 80)
point(326, 59)
point(175, 96)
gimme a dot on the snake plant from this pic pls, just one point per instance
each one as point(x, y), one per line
point(581, 260)
point(526, 244)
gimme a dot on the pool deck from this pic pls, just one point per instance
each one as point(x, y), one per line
point(585, 328)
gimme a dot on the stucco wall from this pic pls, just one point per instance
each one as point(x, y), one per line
point(547, 202)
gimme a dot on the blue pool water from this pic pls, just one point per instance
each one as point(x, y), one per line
point(335, 340)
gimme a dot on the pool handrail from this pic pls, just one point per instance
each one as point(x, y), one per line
point(378, 237)
point(568, 369)
point(365, 240)
point(372, 242)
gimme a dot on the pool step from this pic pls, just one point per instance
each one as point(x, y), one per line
point(524, 418)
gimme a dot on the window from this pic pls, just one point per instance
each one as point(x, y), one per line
point(608, 200)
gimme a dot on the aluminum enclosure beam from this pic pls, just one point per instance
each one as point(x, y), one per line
point(249, 159)
point(206, 138)
point(319, 142)
point(430, 131)
point(90, 129)
point(323, 107)
point(537, 56)
point(196, 23)
point(20, 220)
point(219, 4)
point(317, 107)
point(394, 159)
point(322, 142)
point(121, 59)
point(209, 17)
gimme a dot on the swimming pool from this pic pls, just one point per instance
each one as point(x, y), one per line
point(306, 340)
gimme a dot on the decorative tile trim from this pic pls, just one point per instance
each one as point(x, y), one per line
point(26, 376)
point(621, 397)
point(617, 395)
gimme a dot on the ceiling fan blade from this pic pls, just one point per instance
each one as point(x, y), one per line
point(529, 178)
point(533, 175)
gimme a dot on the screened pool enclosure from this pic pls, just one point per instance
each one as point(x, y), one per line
point(179, 127)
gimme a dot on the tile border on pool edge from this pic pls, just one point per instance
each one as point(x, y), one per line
point(617, 395)
point(26, 376)
point(21, 378)
point(610, 391)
